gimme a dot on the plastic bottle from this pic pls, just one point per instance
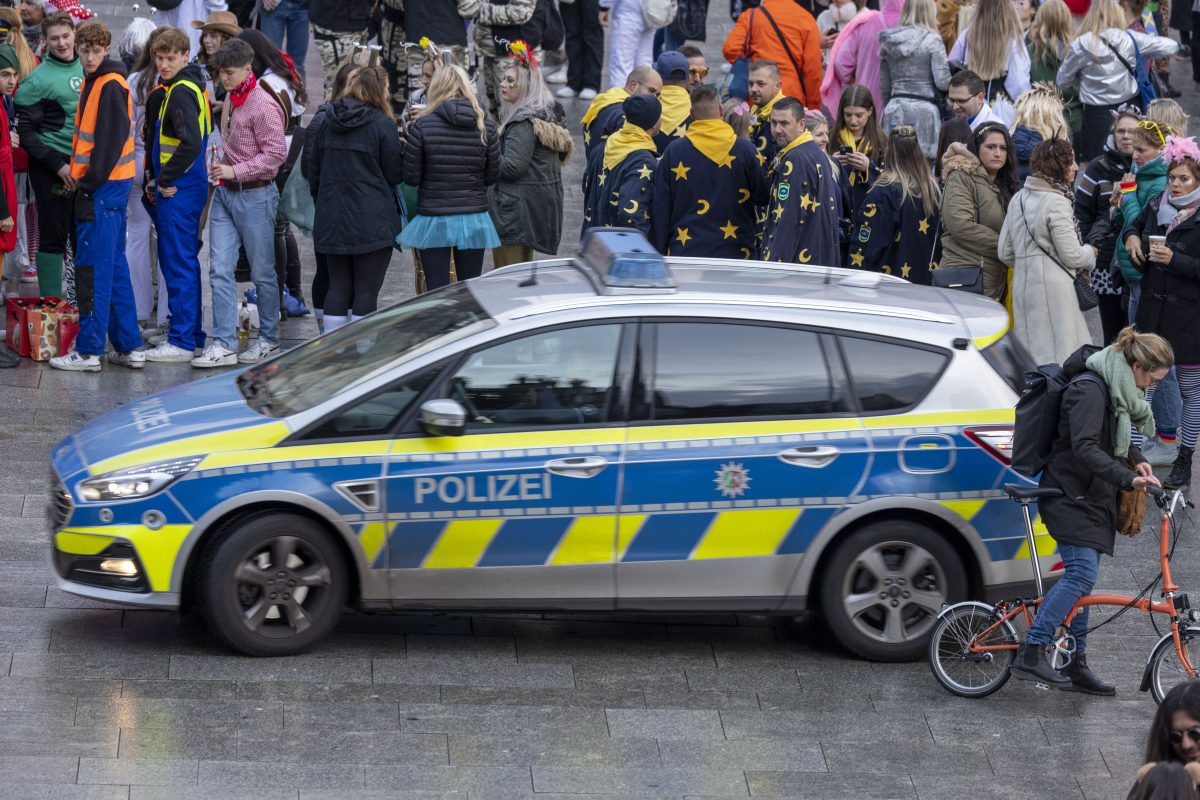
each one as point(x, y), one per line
point(214, 158)
point(243, 329)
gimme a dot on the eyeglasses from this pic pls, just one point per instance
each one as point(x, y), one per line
point(1177, 736)
point(960, 101)
point(697, 72)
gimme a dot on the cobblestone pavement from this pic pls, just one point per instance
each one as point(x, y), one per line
point(102, 703)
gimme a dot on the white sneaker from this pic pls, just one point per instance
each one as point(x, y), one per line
point(75, 362)
point(1160, 453)
point(169, 353)
point(215, 355)
point(558, 76)
point(259, 351)
point(588, 94)
point(566, 93)
point(134, 359)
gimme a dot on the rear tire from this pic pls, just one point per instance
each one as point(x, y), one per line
point(966, 674)
point(884, 586)
point(272, 584)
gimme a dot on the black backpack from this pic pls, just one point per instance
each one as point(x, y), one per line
point(1038, 413)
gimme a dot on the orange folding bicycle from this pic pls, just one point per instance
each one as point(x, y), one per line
point(973, 645)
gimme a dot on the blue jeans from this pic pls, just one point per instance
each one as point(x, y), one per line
point(1135, 295)
point(1083, 569)
point(102, 286)
point(290, 19)
point(1167, 404)
point(244, 218)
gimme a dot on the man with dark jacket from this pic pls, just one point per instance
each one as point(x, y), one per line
point(443, 23)
point(606, 115)
point(102, 169)
point(177, 141)
point(672, 66)
point(618, 183)
point(338, 25)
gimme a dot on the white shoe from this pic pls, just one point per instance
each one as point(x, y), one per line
point(169, 353)
point(259, 351)
point(588, 94)
point(1159, 453)
point(566, 93)
point(134, 359)
point(75, 362)
point(558, 76)
point(215, 355)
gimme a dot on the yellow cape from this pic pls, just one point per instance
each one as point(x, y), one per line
point(615, 95)
point(676, 107)
point(629, 139)
point(714, 138)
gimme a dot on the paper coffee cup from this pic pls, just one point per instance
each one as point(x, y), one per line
point(1159, 240)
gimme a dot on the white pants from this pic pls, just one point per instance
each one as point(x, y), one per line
point(631, 43)
point(139, 251)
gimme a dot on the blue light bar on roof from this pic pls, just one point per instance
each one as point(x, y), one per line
point(622, 258)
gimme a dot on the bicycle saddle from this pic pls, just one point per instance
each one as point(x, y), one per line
point(1024, 494)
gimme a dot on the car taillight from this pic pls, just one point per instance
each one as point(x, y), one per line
point(1059, 567)
point(996, 442)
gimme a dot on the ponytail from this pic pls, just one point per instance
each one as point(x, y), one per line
point(1150, 350)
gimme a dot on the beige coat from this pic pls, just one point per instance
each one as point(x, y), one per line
point(1039, 239)
point(972, 213)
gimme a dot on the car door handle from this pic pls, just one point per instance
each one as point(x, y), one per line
point(813, 456)
point(580, 467)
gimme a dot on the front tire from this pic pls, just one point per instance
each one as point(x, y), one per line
point(964, 673)
point(272, 584)
point(1165, 669)
point(883, 588)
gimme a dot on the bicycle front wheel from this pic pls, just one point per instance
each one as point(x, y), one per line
point(1165, 669)
point(960, 671)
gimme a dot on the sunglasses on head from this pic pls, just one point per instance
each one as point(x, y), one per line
point(1192, 733)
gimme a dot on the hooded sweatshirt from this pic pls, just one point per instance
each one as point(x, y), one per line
point(113, 125)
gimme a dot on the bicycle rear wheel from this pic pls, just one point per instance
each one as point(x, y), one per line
point(960, 671)
point(1165, 669)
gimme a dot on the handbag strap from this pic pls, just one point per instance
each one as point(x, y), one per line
point(783, 40)
point(749, 32)
point(1032, 238)
point(1121, 58)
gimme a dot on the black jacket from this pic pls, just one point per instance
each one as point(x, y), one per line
point(1083, 465)
point(355, 165)
point(527, 201)
point(1092, 206)
point(437, 19)
point(448, 161)
point(113, 125)
point(341, 16)
point(1170, 304)
point(182, 121)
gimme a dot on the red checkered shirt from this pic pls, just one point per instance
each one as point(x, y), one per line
point(252, 136)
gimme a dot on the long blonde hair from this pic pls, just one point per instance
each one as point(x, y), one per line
point(1040, 109)
point(450, 82)
point(919, 14)
point(1101, 16)
point(16, 38)
point(1051, 31)
point(993, 34)
point(905, 165)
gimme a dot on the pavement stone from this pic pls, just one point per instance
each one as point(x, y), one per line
point(474, 672)
point(665, 723)
point(177, 743)
point(143, 771)
point(652, 782)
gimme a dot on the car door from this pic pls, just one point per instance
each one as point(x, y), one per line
point(742, 445)
point(521, 509)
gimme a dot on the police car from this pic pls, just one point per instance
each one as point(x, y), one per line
point(615, 432)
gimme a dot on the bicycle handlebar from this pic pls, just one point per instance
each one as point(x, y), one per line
point(1155, 491)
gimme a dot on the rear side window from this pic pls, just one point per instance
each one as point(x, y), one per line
point(719, 371)
point(1010, 360)
point(889, 376)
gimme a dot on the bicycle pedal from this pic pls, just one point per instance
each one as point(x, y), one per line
point(1044, 687)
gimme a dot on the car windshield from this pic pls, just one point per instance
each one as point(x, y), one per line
point(318, 370)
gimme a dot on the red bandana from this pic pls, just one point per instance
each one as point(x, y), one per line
point(243, 90)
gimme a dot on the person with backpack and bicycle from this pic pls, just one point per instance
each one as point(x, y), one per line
point(1091, 459)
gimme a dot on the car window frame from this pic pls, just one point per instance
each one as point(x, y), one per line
point(855, 399)
point(645, 364)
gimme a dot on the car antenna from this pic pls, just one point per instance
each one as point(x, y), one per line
point(532, 279)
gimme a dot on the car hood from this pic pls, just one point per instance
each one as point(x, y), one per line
point(192, 419)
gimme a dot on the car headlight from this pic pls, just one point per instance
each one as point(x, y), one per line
point(135, 482)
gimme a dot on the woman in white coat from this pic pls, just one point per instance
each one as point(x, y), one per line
point(1040, 239)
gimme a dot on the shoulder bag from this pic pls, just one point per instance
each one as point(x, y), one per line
point(1138, 71)
point(737, 84)
point(1085, 293)
point(966, 279)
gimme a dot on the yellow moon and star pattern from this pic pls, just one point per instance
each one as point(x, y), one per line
point(895, 236)
point(604, 117)
point(706, 188)
point(802, 218)
point(619, 196)
point(760, 132)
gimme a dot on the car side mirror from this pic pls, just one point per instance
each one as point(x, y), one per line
point(443, 417)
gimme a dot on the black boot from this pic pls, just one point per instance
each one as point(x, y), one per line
point(8, 360)
point(1030, 664)
point(1084, 680)
point(1181, 470)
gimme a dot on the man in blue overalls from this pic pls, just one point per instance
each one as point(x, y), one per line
point(177, 143)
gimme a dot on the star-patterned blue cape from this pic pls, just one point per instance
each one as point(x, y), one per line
point(702, 208)
point(607, 121)
point(618, 197)
point(894, 236)
point(802, 219)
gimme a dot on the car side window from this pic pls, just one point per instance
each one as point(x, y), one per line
point(551, 378)
point(729, 370)
point(376, 415)
point(889, 376)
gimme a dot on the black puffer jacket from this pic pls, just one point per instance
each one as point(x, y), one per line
point(1083, 465)
point(1170, 304)
point(341, 16)
point(449, 163)
point(355, 165)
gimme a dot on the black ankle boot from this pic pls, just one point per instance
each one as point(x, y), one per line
point(1181, 470)
point(1084, 680)
point(1030, 664)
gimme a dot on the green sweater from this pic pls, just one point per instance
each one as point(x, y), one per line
point(1151, 182)
point(46, 103)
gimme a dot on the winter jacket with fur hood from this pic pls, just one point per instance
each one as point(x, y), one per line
point(972, 215)
point(527, 202)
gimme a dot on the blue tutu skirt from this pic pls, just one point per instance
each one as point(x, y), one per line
point(464, 231)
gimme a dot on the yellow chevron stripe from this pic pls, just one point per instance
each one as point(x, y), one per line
point(462, 543)
point(239, 439)
point(967, 509)
point(158, 551)
point(628, 526)
point(81, 544)
point(371, 538)
point(245, 456)
point(589, 540)
point(994, 416)
point(753, 532)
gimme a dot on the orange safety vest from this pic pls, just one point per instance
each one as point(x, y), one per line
point(85, 133)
